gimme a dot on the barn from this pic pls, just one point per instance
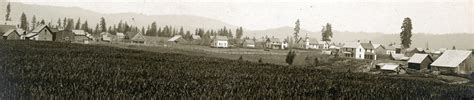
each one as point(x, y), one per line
point(40, 33)
point(64, 36)
point(454, 61)
point(6, 31)
point(420, 61)
point(138, 38)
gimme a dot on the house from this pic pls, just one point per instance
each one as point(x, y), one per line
point(40, 33)
point(7, 30)
point(411, 51)
point(324, 44)
point(120, 36)
point(420, 61)
point(12, 34)
point(349, 49)
point(176, 39)
point(379, 49)
point(138, 38)
point(366, 52)
point(107, 37)
point(196, 37)
point(63, 36)
point(81, 36)
point(248, 43)
point(454, 61)
point(220, 42)
point(392, 68)
point(393, 49)
point(275, 43)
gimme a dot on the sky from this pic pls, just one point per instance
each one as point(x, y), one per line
point(385, 16)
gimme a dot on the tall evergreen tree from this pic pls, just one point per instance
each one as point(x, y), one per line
point(85, 26)
point(103, 25)
point(64, 22)
point(7, 15)
point(326, 32)
point(153, 30)
point(59, 22)
point(297, 31)
point(33, 22)
point(405, 35)
point(181, 31)
point(239, 33)
point(70, 24)
point(78, 24)
point(42, 22)
point(24, 22)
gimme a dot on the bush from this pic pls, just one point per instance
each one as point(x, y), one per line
point(290, 57)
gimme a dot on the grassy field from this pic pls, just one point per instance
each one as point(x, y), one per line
point(29, 68)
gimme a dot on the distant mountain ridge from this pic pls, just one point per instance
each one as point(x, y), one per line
point(190, 22)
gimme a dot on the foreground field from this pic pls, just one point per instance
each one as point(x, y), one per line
point(55, 69)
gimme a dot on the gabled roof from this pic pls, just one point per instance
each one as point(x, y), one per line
point(138, 37)
point(120, 34)
point(351, 45)
point(249, 41)
point(418, 58)
point(367, 45)
point(79, 32)
point(378, 45)
point(39, 28)
point(393, 47)
point(391, 67)
point(452, 58)
point(220, 38)
point(5, 28)
point(10, 31)
point(174, 38)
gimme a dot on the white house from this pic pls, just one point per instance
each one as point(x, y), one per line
point(120, 36)
point(106, 36)
point(359, 50)
point(220, 42)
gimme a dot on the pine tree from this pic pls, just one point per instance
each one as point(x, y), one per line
point(103, 25)
point(78, 24)
point(59, 22)
point(405, 35)
point(85, 26)
point(24, 22)
point(33, 22)
point(181, 31)
point(7, 15)
point(64, 22)
point(42, 22)
point(297, 31)
point(327, 32)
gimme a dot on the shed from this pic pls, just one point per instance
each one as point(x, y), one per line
point(41, 33)
point(138, 38)
point(6, 29)
point(248, 43)
point(392, 68)
point(454, 61)
point(420, 61)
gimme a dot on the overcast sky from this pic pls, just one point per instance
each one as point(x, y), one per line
point(428, 16)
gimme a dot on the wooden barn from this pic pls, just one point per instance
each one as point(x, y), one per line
point(248, 43)
point(138, 38)
point(40, 33)
point(454, 61)
point(8, 31)
point(420, 61)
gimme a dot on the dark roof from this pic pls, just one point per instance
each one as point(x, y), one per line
point(367, 45)
point(39, 28)
point(5, 28)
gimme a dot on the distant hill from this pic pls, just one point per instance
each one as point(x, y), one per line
point(52, 13)
point(460, 40)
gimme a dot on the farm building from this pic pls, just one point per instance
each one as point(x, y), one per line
point(366, 52)
point(6, 31)
point(275, 43)
point(12, 34)
point(454, 61)
point(176, 39)
point(82, 36)
point(248, 43)
point(359, 50)
point(392, 68)
point(393, 49)
point(220, 42)
point(107, 37)
point(138, 38)
point(420, 61)
point(196, 37)
point(411, 51)
point(64, 36)
point(324, 44)
point(379, 49)
point(120, 36)
point(40, 33)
